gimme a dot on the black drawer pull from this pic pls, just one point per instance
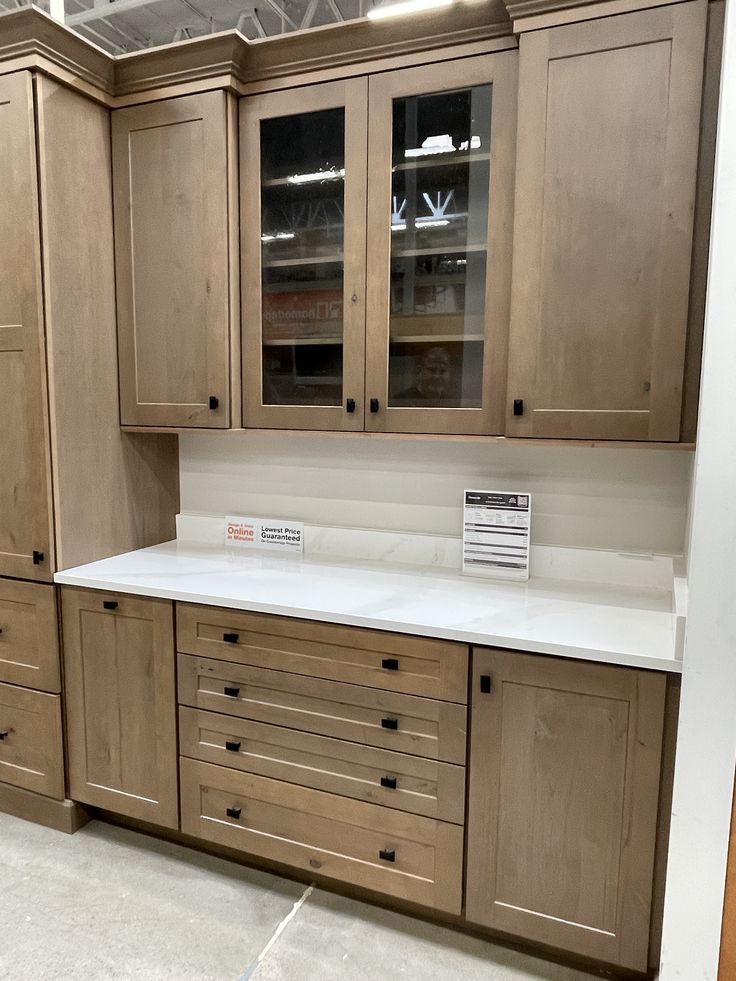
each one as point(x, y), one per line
point(387, 855)
point(109, 605)
point(232, 692)
point(390, 663)
point(230, 638)
point(390, 723)
point(350, 405)
point(232, 747)
point(3, 736)
point(37, 557)
point(485, 684)
point(213, 402)
point(234, 812)
point(374, 405)
point(389, 782)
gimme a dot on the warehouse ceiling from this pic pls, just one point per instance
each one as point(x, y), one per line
point(129, 25)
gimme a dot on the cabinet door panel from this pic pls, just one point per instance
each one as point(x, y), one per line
point(440, 198)
point(303, 167)
point(25, 503)
point(170, 168)
point(121, 704)
point(605, 186)
point(564, 783)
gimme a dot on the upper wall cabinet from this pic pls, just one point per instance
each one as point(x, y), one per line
point(377, 256)
point(606, 168)
point(175, 219)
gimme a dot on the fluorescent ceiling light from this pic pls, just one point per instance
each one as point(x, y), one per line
point(278, 237)
point(422, 223)
point(317, 176)
point(406, 7)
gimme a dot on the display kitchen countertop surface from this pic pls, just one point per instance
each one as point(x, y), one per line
point(623, 625)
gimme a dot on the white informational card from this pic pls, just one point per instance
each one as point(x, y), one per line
point(496, 527)
point(264, 533)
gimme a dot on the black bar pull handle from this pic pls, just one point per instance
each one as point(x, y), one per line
point(4, 735)
point(37, 557)
point(109, 605)
point(390, 723)
point(232, 692)
point(485, 684)
point(232, 746)
point(388, 782)
point(390, 663)
point(231, 638)
point(387, 854)
point(234, 812)
point(350, 405)
point(518, 407)
point(213, 402)
point(374, 405)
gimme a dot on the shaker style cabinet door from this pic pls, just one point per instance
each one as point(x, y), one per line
point(440, 213)
point(121, 703)
point(25, 501)
point(605, 186)
point(171, 176)
point(303, 177)
point(562, 815)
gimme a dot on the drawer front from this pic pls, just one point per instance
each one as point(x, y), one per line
point(402, 723)
point(31, 753)
point(413, 665)
point(406, 783)
point(29, 636)
point(402, 855)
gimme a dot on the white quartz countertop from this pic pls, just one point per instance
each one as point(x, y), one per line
point(628, 625)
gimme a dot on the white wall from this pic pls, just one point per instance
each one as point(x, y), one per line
point(706, 753)
point(605, 498)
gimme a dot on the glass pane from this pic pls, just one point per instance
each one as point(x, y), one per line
point(439, 229)
point(302, 235)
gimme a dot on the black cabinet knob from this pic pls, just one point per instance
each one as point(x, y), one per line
point(37, 557)
point(109, 605)
point(4, 735)
point(234, 812)
point(230, 638)
point(232, 692)
point(388, 782)
point(390, 723)
point(350, 405)
point(374, 405)
point(232, 747)
point(387, 855)
point(518, 407)
point(390, 663)
point(213, 402)
point(485, 684)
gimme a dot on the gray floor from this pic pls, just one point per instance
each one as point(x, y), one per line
point(107, 903)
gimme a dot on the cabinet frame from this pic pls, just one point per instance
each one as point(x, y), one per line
point(352, 95)
point(499, 69)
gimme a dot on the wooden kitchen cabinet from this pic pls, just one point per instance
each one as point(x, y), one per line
point(175, 229)
point(607, 149)
point(121, 703)
point(563, 794)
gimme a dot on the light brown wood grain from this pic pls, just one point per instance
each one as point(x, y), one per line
point(113, 491)
point(26, 512)
point(334, 836)
point(172, 244)
point(61, 815)
point(31, 749)
point(29, 636)
point(424, 726)
point(605, 187)
point(563, 793)
point(121, 703)
point(425, 787)
point(432, 668)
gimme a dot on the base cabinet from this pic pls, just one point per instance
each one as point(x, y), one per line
point(121, 704)
point(563, 795)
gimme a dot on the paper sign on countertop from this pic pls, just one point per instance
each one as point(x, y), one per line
point(496, 533)
point(264, 533)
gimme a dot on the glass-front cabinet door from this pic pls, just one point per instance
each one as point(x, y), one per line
point(303, 174)
point(440, 206)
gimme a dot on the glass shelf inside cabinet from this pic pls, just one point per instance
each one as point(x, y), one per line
point(440, 180)
point(302, 236)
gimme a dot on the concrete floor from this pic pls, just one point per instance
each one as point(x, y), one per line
point(111, 904)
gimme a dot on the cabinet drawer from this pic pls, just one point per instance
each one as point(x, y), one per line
point(413, 665)
point(31, 754)
point(332, 836)
point(29, 636)
point(406, 783)
point(404, 723)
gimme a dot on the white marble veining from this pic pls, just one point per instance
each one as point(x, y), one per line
point(628, 625)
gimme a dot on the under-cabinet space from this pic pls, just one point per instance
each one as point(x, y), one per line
point(564, 783)
point(174, 173)
point(401, 855)
point(29, 635)
point(31, 751)
point(121, 703)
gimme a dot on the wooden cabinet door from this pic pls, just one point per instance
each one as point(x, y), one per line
point(303, 173)
point(605, 186)
point(121, 703)
point(171, 175)
point(440, 201)
point(25, 488)
point(564, 786)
